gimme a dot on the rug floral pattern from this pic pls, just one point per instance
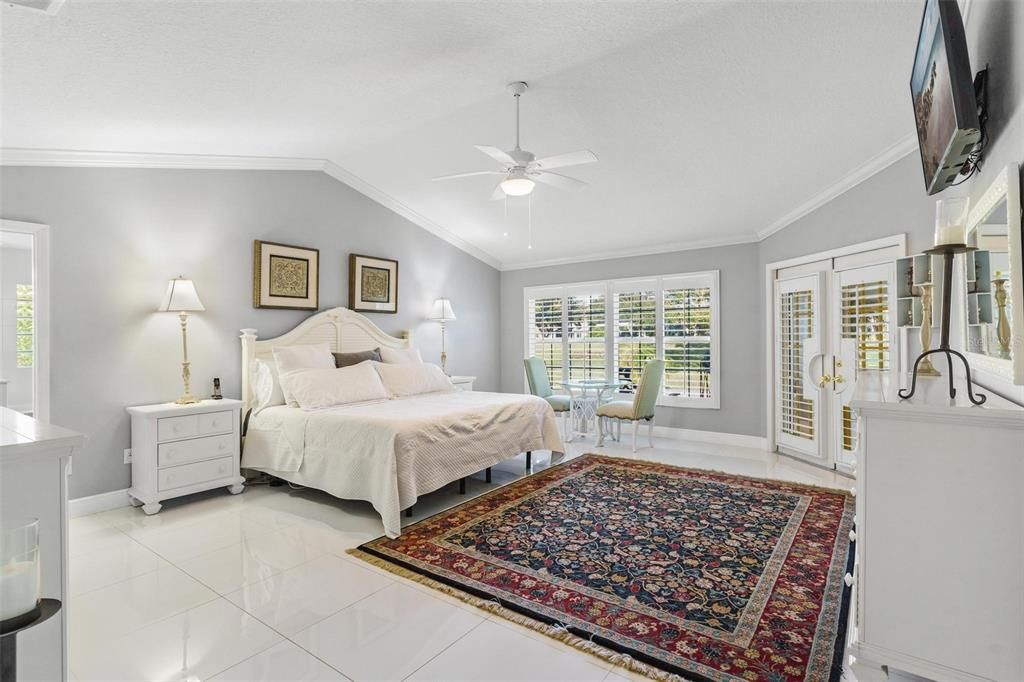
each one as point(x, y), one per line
point(703, 574)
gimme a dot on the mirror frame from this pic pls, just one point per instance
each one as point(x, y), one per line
point(1006, 185)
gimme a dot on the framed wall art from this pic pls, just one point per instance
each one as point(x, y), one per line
point(372, 284)
point(285, 276)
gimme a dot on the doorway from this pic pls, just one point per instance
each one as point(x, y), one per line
point(829, 323)
point(24, 318)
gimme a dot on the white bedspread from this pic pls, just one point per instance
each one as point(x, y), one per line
point(390, 452)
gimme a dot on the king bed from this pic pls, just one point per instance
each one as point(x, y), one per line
point(387, 451)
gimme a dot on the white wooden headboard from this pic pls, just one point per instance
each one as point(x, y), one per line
point(345, 331)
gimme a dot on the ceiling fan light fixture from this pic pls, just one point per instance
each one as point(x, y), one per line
point(517, 186)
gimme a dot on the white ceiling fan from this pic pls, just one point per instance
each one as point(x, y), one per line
point(522, 168)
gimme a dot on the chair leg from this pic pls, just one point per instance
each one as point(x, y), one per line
point(566, 420)
point(600, 431)
point(650, 431)
point(618, 431)
point(636, 426)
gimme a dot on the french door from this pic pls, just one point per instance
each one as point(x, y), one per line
point(831, 323)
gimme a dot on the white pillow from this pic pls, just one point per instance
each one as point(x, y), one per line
point(266, 385)
point(409, 379)
point(400, 356)
point(317, 388)
point(291, 358)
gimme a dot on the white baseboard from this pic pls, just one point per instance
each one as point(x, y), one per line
point(718, 437)
point(94, 504)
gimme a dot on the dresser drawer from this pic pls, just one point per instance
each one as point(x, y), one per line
point(169, 428)
point(215, 422)
point(190, 474)
point(195, 449)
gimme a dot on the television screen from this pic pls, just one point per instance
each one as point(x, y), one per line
point(943, 95)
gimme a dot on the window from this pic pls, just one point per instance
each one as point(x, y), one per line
point(24, 322)
point(613, 329)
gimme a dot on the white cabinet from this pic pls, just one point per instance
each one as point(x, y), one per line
point(940, 517)
point(183, 449)
point(34, 463)
point(463, 383)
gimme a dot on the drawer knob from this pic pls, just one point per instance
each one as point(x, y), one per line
point(222, 468)
point(222, 446)
point(215, 423)
point(170, 454)
point(170, 477)
point(848, 579)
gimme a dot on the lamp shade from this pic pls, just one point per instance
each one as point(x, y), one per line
point(517, 185)
point(442, 311)
point(181, 296)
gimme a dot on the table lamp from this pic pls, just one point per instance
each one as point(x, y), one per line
point(442, 312)
point(181, 297)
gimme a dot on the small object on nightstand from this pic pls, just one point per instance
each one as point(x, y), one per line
point(462, 383)
point(216, 389)
point(182, 449)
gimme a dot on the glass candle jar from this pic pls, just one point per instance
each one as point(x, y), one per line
point(951, 220)
point(19, 568)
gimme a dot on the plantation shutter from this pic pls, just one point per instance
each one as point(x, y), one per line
point(585, 333)
point(544, 325)
point(686, 336)
point(635, 324)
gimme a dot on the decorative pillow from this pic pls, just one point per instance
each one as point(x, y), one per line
point(291, 358)
point(400, 356)
point(408, 379)
point(349, 359)
point(317, 388)
point(265, 385)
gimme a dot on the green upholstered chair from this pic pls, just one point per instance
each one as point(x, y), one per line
point(640, 408)
point(537, 377)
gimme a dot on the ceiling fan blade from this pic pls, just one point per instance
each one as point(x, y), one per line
point(496, 154)
point(466, 175)
point(557, 180)
point(562, 160)
point(498, 193)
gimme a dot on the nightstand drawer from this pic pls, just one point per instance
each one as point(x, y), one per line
point(190, 474)
point(215, 422)
point(169, 428)
point(184, 451)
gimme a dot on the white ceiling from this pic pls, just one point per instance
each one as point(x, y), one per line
point(711, 119)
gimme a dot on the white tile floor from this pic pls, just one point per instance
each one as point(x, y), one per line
point(258, 587)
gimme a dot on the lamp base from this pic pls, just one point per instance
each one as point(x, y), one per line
point(187, 399)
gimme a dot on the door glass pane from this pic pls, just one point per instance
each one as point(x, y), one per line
point(795, 324)
point(865, 319)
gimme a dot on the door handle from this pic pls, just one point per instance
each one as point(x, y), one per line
point(824, 380)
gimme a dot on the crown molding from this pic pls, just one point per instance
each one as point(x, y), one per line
point(874, 165)
point(629, 253)
point(66, 158)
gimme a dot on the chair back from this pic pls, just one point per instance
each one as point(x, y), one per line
point(647, 393)
point(537, 377)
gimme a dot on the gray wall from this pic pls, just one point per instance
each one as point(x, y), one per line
point(118, 235)
point(739, 307)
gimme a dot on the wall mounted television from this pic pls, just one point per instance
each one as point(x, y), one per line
point(942, 89)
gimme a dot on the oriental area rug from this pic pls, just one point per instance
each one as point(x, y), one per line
point(674, 573)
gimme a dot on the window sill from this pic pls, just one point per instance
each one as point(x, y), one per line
point(694, 403)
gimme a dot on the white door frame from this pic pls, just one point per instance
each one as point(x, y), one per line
point(897, 240)
point(41, 312)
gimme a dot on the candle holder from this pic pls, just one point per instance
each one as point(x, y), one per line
point(947, 251)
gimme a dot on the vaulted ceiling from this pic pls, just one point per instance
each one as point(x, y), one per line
point(711, 120)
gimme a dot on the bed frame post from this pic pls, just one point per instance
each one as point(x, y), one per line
point(488, 476)
point(462, 485)
point(248, 355)
point(529, 457)
point(408, 513)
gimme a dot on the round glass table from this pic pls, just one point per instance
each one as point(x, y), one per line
point(585, 396)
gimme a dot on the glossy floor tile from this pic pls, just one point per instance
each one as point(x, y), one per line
point(258, 587)
point(284, 662)
point(388, 635)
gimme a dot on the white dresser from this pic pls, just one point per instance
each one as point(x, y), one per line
point(35, 460)
point(183, 449)
point(463, 383)
point(940, 534)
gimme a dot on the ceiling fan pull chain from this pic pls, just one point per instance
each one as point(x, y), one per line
point(517, 121)
point(504, 219)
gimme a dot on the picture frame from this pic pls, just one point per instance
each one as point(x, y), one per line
point(285, 277)
point(372, 284)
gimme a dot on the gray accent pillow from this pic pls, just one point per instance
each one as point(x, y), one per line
point(348, 359)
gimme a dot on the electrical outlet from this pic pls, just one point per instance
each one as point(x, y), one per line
point(127, 455)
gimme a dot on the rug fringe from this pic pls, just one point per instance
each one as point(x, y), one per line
point(558, 632)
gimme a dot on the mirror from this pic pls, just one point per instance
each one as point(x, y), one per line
point(995, 281)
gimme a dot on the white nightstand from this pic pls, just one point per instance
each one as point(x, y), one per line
point(463, 383)
point(182, 449)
